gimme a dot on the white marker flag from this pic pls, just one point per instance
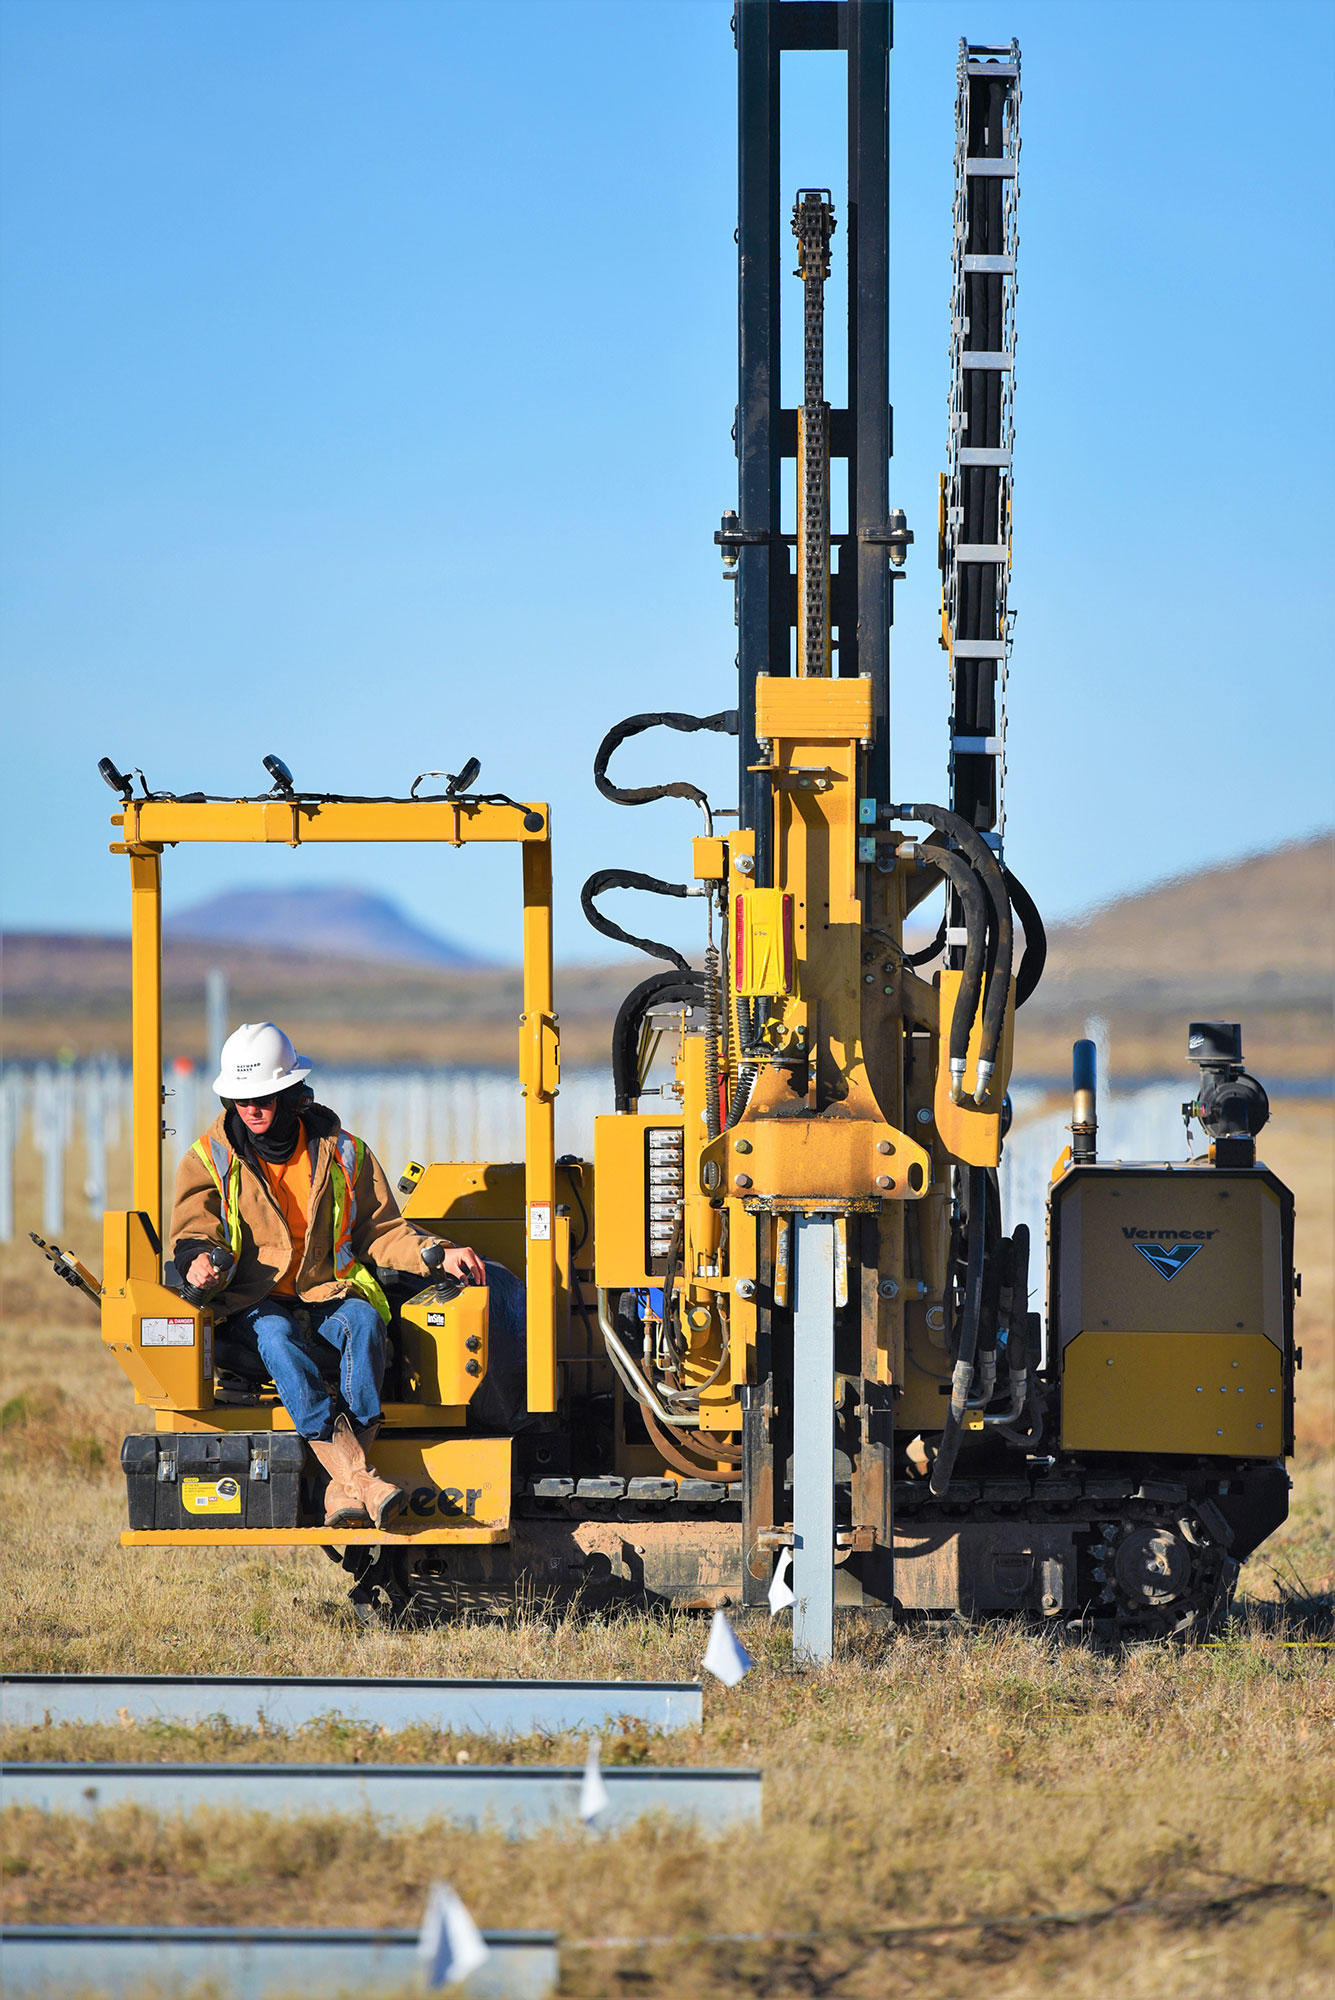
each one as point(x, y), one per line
point(450, 1943)
point(725, 1655)
point(593, 1793)
point(780, 1590)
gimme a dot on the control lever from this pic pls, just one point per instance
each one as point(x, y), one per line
point(444, 1288)
point(222, 1262)
point(67, 1266)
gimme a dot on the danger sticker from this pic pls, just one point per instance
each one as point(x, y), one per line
point(166, 1333)
point(211, 1496)
point(540, 1222)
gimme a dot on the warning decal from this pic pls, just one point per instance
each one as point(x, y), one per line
point(166, 1333)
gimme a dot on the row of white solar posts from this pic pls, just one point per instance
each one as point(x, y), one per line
point(422, 1115)
point(476, 1115)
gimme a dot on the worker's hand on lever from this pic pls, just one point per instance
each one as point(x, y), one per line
point(207, 1271)
point(454, 1260)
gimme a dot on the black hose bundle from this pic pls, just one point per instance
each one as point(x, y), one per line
point(724, 723)
point(661, 989)
point(970, 892)
point(983, 861)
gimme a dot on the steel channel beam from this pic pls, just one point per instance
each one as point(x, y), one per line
point(513, 1799)
point(475, 1707)
point(813, 1439)
point(763, 620)
point(869, 43)
point(256, 1964)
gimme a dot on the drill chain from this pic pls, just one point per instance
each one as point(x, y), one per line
point(813, 226)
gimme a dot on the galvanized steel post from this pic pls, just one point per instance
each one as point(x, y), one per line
point(813, 1440)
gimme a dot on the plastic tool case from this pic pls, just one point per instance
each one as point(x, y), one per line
point(241, 1479)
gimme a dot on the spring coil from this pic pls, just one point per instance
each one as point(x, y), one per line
point(712, 1025)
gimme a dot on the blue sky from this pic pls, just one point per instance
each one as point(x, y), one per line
point(367, 376)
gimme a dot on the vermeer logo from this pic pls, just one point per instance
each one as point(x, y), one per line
point(1169, 1250)
point(1170, 1235)
point(1168, 1258)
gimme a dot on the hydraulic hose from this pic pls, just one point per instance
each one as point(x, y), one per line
point(661, 989)
point(969, 889)
point(631, 878)
point(1035, 955)
point(674, 1450)
point(746, 1071)
point(962, 1377)
point(927, 952)
point(977, 852)
point(633, 1376)
point(724, 723)
point(656, 1417)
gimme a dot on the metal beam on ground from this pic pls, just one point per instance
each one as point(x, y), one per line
point(256, 1964)
point(515, 1799)
point(813, 1440)
point(480, 1707)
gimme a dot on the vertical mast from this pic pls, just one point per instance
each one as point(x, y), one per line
point(862, 561)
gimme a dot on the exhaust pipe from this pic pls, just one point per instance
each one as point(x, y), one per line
point(1084, 1104)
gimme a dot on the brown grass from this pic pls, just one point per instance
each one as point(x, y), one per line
point(919, 1782)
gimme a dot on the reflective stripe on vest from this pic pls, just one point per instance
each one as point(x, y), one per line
point(349, 1154)
point(225, 1171)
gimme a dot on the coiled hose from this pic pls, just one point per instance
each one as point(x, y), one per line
point(985, 865)
point(713, 1023)
point(970, 892)
point(662, 989)
point(1035, 939)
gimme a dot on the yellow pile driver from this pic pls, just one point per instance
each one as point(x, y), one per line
point(779, 1317)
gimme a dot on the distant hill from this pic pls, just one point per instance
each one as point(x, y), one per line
point(1249, 932)
point(345, 922)
point(1253, 942)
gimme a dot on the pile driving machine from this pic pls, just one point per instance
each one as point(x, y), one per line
point(780, 1313)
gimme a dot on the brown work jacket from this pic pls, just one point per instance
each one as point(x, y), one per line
point(379, 1234)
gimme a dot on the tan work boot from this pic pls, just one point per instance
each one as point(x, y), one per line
point(380, 1497)
point(342, 1507)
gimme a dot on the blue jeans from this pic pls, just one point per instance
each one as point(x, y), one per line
point(501, 1401)
point(351, 1326)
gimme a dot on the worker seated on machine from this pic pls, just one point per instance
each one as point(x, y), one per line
point(279, 1216)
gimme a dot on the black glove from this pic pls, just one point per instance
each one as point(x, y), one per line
point(222, 1262)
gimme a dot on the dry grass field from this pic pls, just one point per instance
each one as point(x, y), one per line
point(991, 1812)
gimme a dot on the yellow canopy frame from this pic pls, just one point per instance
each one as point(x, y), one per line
point(149, 825)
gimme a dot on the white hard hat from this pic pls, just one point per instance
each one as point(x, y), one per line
point(257, 1060)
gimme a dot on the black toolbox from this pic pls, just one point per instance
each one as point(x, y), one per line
point(201, 1479)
